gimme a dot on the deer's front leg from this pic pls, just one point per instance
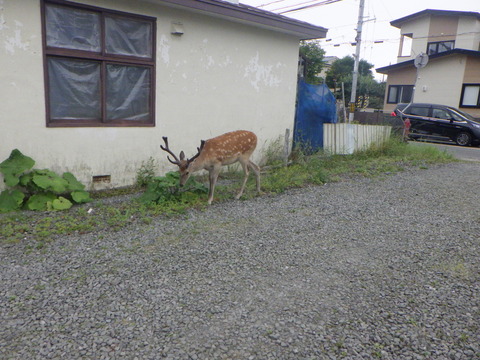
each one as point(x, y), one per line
point(213, 176)
point(245, 178)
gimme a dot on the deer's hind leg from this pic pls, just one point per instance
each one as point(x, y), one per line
point(256, 170)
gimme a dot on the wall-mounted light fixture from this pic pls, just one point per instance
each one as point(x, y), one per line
point(177, 28)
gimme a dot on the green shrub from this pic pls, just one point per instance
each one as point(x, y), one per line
point(36, 189)
point(166, 189)
point(146, 172)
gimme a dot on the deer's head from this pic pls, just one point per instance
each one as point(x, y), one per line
point(182, 163)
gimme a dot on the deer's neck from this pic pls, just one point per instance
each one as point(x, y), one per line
point(196, 164)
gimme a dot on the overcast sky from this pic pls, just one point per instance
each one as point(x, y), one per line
point(340, 18)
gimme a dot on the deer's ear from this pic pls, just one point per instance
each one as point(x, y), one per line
point(182, 155)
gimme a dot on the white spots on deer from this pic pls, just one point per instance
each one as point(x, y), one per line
point(226, 149)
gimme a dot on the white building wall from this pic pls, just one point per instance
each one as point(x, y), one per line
point(419, 29)
point(216, 77)
point(468, 34)
point(431, 87)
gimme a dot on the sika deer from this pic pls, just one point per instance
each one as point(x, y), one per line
point(214, 153)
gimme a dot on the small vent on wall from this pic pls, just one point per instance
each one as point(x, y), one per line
point(177, 28)
point(101, 179)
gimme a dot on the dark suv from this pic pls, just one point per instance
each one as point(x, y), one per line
point(440, 122)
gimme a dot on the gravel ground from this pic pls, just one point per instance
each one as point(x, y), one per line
point(362, 269)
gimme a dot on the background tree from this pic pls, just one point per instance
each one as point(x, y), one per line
point(370, 93)
point(313, 55)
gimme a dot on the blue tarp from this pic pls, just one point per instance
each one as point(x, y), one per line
point(315, 106)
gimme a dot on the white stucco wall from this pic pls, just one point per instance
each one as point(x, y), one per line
point(419, 28)
point(468, 33)
point(217, 77)
point(445, 89)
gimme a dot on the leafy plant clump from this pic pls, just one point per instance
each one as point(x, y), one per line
point(166, 189)
point(37, 189)
point(146, 172)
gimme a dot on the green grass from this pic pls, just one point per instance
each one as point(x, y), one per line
point(391, 157)
point(38, 228)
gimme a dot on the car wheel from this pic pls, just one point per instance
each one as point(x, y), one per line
point(463, 138)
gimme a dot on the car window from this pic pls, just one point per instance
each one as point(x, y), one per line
point(441, 114)
point(456, 117)
point(418, 110)
point(461, 114)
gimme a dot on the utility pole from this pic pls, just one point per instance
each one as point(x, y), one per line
point(358, 41)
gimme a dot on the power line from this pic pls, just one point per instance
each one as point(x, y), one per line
point(325, 2)
point(270, 3)
point(292, 5)
point(413, 38)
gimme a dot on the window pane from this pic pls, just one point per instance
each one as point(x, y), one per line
point(432, 49)
point(392, 94)
point(441, 114)
point(128, 37)
point(406, 94)
point(406, 45)
point(128, 92)
point(445, 46)
point(470, 95)
point(74, 89)
point(72, 28)
point(419, 111)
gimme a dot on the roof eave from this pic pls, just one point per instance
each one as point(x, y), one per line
point(398, 22)
point(408, 63)
point(253, 16)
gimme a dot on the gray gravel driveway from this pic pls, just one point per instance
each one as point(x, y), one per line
point(384, 268)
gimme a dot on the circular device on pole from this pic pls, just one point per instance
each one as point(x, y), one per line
point(421, 60)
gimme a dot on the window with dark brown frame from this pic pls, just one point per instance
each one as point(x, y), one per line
point(399, 94)
point(439, 47)
point(470, 96)
point(99, 66)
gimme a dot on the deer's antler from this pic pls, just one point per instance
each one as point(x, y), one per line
point(165, 148)
point(199, 151)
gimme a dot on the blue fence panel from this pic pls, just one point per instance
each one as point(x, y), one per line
point(315, 106)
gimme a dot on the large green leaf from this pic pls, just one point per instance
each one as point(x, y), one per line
point(61, 203)
point(48, 180)
point(73, 183)
point(14, 166)
point(11, 200)
point(26, 179)
point(81, 196)
point(39, 201)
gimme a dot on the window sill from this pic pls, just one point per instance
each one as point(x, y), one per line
point(60, 123)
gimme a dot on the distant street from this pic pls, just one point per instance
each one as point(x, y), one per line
point(469, 153)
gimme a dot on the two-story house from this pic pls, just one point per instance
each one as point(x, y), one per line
point(452, 75)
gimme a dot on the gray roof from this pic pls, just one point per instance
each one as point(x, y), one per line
point(252, 16)
point(398, 22)
point(403, 64)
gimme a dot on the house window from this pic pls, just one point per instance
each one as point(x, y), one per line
point(399, 94)
point(100, 66)
point(406, 45)
point(440, 46)
point(470, 96)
